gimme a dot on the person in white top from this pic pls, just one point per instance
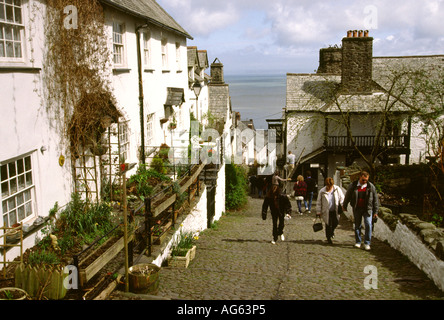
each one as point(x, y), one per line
point(330, 199)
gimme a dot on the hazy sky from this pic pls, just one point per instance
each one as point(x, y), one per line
point(280, 36)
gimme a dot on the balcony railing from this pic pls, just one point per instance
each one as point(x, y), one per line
point(392, 142)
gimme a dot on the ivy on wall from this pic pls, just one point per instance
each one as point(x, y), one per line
point(77, 72)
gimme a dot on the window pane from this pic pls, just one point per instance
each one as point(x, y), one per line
point(21, 213)
point(11, 203)
point(13, 185)
point(18, 3)
point(8, 32)
point(20, 167)
point(28, 163)
point(5, 189)
point(5, 206)
point(8, 1)
point(12, 171)
point(9, 49)
point(27, 195)
point(20, 199)
point(16, 34)
point(28, 179)
point(21, 182)
point(17, 50)
point(28, 209)
point(4, 172)
point(2, 13)
point(5, 220)
point(12, 217)
point(18, 15)
point(9, 14)
point(2, 50)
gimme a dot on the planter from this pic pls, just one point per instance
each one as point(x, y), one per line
point(182, 261)
point(87, 272)
point(13, 294)
point(144, 278)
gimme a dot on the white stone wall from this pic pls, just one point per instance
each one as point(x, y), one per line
point(409, 244)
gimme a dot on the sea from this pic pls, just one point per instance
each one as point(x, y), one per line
point(258, 97)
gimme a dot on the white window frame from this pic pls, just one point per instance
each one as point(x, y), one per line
point(124, 140)
point(17, 190)
point(147, 48)
point(119, 44)
point(164, 49)
point(12, 31)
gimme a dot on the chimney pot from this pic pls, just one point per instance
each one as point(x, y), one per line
point(361, 33)
point(355, 33)
point(349, 33)
point(366, 33)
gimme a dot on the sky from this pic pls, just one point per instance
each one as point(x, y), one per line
point(284, 36)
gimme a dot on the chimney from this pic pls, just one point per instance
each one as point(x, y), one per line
point(330, 61)
point(217, 72)
point(357, 62)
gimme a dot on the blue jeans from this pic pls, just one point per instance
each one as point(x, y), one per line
point(358, 214)
point(308, 197)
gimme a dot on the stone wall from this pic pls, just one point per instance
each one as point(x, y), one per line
point(330, 61)
point(421, 242)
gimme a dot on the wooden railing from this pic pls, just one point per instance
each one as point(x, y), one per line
point(401, 141)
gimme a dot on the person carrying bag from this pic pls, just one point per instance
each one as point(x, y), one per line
point(330, 200)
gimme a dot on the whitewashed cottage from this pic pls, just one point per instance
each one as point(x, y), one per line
point(147, 70)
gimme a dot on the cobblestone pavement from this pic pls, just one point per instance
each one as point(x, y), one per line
point(236, 260)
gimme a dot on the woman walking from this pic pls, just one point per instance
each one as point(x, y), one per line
point(279, 205)
point(300, 191)
point(330, 199)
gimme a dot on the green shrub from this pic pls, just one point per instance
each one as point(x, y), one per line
point(236, 185)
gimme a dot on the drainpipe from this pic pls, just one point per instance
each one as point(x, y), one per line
point(139, 69)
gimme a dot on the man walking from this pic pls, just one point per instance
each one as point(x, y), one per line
point(291, 159)
point(362, 196)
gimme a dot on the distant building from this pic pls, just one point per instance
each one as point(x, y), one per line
point(353, 85)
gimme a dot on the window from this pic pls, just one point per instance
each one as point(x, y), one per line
point(146, 49)
point(118, 45)
point(11, 29)
point(178, 56)
point(124, 140)
point(150, 130)
point(17, 190)
point(164, 54)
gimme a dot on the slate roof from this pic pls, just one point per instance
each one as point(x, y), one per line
point(320, 92)
point(149, 10)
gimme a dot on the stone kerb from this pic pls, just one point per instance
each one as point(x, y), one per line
point(420, 241)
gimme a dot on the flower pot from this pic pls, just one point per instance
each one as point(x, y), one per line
point(182, 261)
point(13, 294)
point(144, 278)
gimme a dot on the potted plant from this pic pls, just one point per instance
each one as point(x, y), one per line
point(183, 250)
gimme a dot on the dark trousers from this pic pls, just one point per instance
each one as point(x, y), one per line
point(278, 223)
point(332, 224)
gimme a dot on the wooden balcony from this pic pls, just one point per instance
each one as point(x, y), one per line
point(390, 144)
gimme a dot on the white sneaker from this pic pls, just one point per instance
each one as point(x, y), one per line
point(357, 245)
point(282, 237)
point(367, 247)
point(273, 242)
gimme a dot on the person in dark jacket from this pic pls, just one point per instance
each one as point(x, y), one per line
point(362, 196)
point(311, 188)
point(279, 205)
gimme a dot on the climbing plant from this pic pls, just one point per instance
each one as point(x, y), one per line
point(77, 72)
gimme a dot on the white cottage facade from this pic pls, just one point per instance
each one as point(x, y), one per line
point(36, 167)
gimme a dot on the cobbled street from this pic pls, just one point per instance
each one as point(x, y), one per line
point(236, 260)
